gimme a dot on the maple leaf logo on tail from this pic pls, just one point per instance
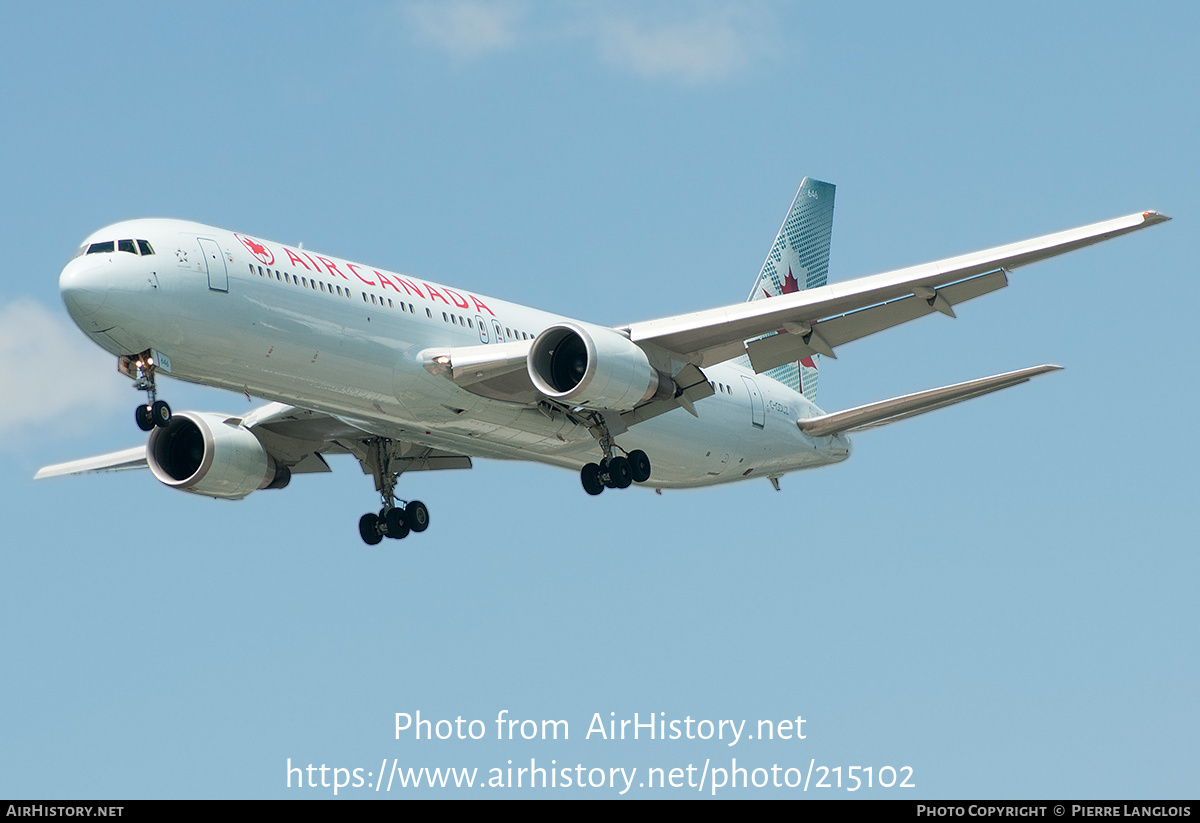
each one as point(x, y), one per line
point(790, 286)
point(799, 260)
point(789, 283)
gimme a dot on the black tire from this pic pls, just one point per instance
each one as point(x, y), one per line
point(161, 413)
point(397, 528)
point(590, 475)
point(368, 529)
point(417, 516)
point(639, 465)
point(144, 418)
point(620, 472)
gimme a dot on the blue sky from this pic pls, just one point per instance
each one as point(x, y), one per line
point(1000, 595)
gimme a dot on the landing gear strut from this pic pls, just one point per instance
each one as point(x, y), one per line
point(154, 412)
point(613, 471)
point(394, 521)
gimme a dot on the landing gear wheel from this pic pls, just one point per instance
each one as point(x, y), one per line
point(160, 413)
point(397, 528)
point(590, 475)
point(620, 472)
point(416, 515)
point(639, 465)
point(141, 368)
point(368, 529)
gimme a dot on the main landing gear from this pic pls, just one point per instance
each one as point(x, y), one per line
point(153, 412)
point(394, 521)
point(614, 471)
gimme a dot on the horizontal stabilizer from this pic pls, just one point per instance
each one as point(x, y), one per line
point(134, 458)
point(910, 405)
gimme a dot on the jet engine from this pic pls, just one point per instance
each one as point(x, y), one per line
point(595, 368)
point(207, 454)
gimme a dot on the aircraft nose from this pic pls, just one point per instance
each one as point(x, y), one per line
point(84, 286)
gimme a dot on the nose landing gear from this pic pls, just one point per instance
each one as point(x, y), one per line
point(141, 368)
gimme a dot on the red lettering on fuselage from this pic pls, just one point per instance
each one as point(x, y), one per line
point(409, 286)
point(480, 305)
point(314, 265)
point(352, 268)
point(384, 282)
point(293, 258)
point(395, 282)
point(458, 299)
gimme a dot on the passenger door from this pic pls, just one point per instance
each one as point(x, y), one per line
point(214, 261)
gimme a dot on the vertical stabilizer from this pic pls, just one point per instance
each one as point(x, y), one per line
point(798, 260)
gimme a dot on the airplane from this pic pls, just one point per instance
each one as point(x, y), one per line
point(411, 375)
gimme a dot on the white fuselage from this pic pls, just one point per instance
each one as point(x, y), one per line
point(343, 338)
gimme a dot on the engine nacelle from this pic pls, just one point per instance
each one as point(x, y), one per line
point(200, 453)
point(595, 368)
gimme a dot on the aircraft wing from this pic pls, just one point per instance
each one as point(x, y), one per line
point(294, 437)
point(817, 320)
point(134, 458)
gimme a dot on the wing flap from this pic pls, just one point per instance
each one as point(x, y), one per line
point(910, 405)
point(768, 352)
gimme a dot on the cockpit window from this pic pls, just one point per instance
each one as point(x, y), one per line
point(132, 246)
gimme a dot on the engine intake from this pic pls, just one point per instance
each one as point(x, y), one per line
point(594, 367)
point(201, 453)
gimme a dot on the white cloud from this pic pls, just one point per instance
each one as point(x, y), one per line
point(710, 47)
point(51, 375)
point(467, 28)
point(690, 43)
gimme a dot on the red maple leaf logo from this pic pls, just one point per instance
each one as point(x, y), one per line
point(257, 249)
point(790, 286)
point(789, 283)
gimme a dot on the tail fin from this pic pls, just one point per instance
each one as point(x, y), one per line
point(798, 260)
